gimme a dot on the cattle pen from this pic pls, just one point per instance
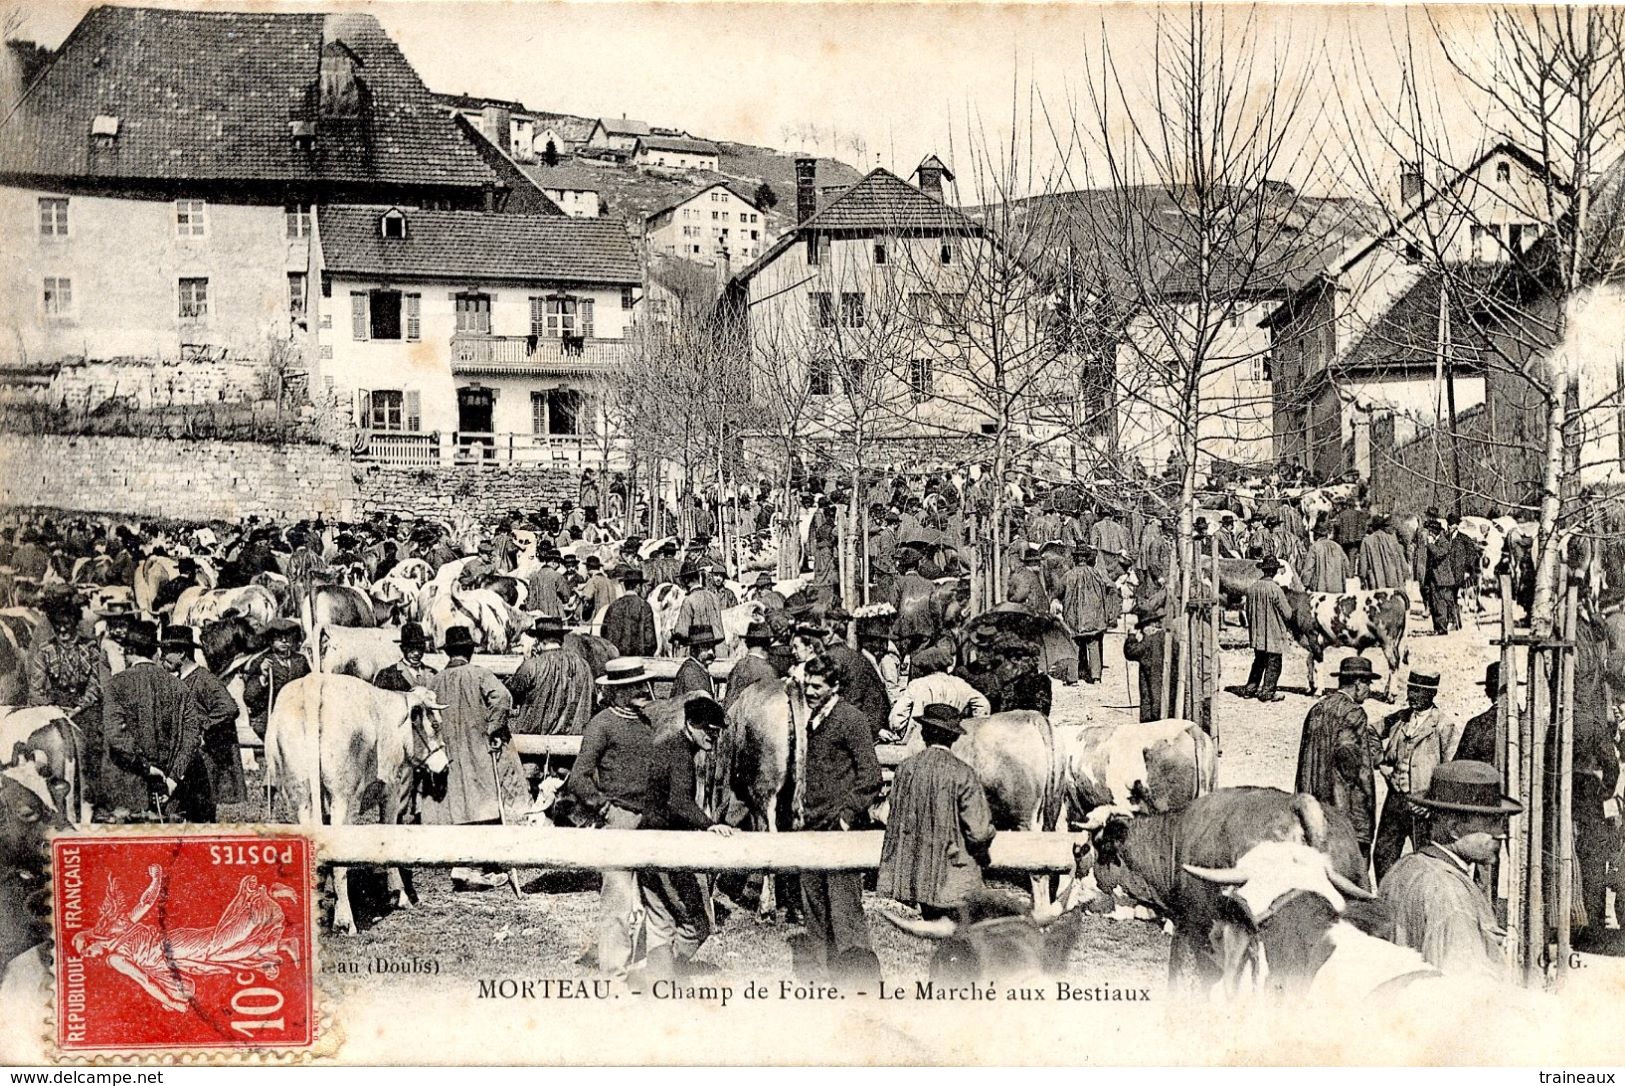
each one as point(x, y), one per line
point(546, 846)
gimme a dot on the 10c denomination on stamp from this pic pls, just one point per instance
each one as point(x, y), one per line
point(183, 942)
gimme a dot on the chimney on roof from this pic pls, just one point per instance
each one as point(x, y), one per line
point(1410, 183)
point(806, 189)
point(932, 173)
point(495, 122)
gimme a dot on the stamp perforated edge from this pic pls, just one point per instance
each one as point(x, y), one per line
point(327, 1038)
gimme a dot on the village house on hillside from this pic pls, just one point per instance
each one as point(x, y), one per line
point(715, 225)
point(470, 334)
point(674, 152)
point(617, 134)
point(1365, 337)
point(507, 124)
point(575, 189)
point(162, 174)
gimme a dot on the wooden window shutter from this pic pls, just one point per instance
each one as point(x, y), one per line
point(414, 311)
point(363, 403)
point(538, 317)
point(414, 411)
point(584, 328)
point(359, 315)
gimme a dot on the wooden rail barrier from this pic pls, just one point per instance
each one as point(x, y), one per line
point(597, 850)
point(568, 746)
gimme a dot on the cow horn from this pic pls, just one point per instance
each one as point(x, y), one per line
point(1312, 817)
point(1347, 887)
point(1224, 876)
point(940, 928)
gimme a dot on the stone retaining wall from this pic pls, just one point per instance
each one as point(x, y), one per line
point(164, 477)
point(483, 492)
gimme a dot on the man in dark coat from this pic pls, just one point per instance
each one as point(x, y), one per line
point(939, 827)
point(674, 901)
point(1090, 605)
point(551, 688)
point(216, 712)
point(1452, 562)
point(861, 686)
point(1268, 630)
point(629, 622)
point(1337, 752)
point(1350, 527)
point(1477, 742)
point(170, 591)
point(918, 618)
point(1149, 645)
point(843, 782)
point(411, 671)
point(275, 670)
point(695, 671)
point(154, 738)
point(1024, 586)
point(754, 666)
point(62, 671)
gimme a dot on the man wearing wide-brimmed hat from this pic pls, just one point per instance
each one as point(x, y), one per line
point(411, 671)
point(754, 666)
point(485, 783)
point(939, 828)
point(552, 687)
point(1090, 605)
point(1437, 907)
point(217, 715)
point(63, 671)
point(1478, 735)
point(154, 744)
point(1268, 631)
point(629, 622)
point(1149, 645)
point(694, 672)
point(281, 665)
point(610, 783)
point(1416, 739)
point(1335, 753)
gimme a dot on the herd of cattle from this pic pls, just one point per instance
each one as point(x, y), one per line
point(338, 749)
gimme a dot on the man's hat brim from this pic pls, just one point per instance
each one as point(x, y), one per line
point(1505, 806)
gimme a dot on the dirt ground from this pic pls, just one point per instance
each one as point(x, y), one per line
point(490, 933)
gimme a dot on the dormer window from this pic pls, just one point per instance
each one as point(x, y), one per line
point(392, 224)
point(1503, 173)
point(104, 125)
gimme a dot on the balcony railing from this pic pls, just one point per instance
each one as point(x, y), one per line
point(466, 448)
point(533, 355)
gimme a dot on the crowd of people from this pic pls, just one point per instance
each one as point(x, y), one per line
point(161, 723)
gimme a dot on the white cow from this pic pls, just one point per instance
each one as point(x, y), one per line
point(333, 739)
point(198, 605)
point(664, 601)
point(1142, 767)
point(353, 650)
point(495, 625)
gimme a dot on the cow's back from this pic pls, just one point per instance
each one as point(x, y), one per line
point(322, 739)
point(1014, 757)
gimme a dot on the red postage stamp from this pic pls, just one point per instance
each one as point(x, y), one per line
point(177, 942)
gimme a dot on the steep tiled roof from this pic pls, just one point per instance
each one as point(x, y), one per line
point(207, 95)
point(677, 143)
point(586, 178)
point(620, 126)
point(477, 245)
point(884, 201)
point(1406, 335)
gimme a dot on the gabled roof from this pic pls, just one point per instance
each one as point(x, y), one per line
point(683, 198)
point(621, 126)
point(1406, 336)
point(881, 203)
point(475, 102)
point(478, 246)
point(678, 143)
point(884, 202)
point(208, 95)
point(575, 129)
point(586, 178)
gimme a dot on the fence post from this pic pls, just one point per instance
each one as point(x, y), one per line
point(1564, 813)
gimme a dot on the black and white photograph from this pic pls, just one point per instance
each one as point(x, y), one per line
point(546, 533)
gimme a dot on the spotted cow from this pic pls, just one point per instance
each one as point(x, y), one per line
point(1356, 620)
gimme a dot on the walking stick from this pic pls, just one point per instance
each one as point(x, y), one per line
point(502, 815)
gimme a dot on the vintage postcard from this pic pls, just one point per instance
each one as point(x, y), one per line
point(546, 533)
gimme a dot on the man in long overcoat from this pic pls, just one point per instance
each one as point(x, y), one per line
point(939, 827)
point(1090, 605)
point(629, 622)
point(551, 688)
point(484, 782)
point(1337, 751)
point(1328, 566)
point(1153, 647)
point(1382, 559)
point(217, 716)
point(1268, 631)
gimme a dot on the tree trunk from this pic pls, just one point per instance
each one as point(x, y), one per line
point(1543, 615)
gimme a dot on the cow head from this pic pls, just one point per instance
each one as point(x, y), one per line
point(1280, 902)
point(1108, 827)
point(427, 749)
point(995, 937)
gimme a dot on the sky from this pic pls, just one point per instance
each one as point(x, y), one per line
point(878, 84)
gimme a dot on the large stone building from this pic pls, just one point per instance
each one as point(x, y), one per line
point(717, 224)
point(469, 335)
point(162, 178)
